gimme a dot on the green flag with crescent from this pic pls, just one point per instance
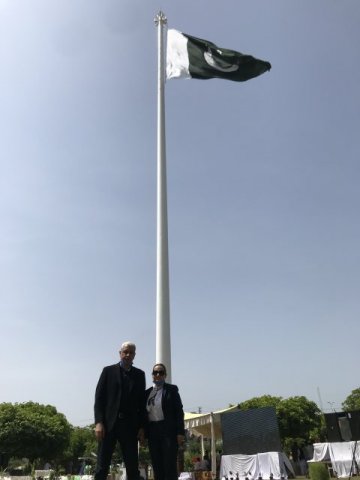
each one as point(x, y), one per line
point(192, 57)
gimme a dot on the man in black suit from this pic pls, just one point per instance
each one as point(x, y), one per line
point(120, 413)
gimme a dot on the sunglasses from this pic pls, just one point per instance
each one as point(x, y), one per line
point(158, 372)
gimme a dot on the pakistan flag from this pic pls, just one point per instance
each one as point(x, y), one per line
point(191, 57)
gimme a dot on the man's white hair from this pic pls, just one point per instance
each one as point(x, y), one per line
point(128, 344)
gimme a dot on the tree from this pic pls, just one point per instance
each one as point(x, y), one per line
point(300, 423)
point(260, 402)
point(33, 431)
point(193, 449)
point(82, 445)
point(352, 401)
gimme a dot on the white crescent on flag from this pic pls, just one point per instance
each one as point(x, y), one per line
point(222, 67)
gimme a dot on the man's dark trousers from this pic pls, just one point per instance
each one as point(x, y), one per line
point(120, 408)
point(125, 433)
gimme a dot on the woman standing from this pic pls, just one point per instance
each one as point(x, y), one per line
point(165, 427)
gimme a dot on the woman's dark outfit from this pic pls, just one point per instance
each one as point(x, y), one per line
point(162, 433)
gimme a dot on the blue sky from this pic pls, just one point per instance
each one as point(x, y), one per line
point(263, 200)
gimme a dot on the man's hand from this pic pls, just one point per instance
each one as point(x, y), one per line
point(180, 440)
point(99, 431)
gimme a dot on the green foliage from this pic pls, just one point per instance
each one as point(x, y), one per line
point(32, 430)
point(144, 455)
point(188, 463)
point(352, 401)
point(193, 449)
point(318, 471)
point(299, 417)
point(82, 441)
point(82, 444)
point(260, 402)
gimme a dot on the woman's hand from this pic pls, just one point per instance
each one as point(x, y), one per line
point(99, 431)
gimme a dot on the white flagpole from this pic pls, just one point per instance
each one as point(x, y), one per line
point(213, 446)
point(163, 347)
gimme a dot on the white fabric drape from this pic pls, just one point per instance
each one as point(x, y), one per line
point(321, 452)
point(340, 454)
point(253, 466)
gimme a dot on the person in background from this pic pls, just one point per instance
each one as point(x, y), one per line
point(120, 413)
point(205, 463)
point(165, 429)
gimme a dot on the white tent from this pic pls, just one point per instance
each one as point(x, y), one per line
point(200, 423)
point(207, 425)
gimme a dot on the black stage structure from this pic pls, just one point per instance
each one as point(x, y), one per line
point(344, 427)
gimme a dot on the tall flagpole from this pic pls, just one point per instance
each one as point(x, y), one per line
point(163, 347)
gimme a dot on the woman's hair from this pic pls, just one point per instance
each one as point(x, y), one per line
point(160, 365)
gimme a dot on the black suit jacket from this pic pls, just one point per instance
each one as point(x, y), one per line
point(108, 396)
point(172, 408)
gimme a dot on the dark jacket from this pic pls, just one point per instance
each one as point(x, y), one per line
point(172, 408)
point(108, 396)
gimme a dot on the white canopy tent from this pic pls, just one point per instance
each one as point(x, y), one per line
point(200, 423)
point(207, 425)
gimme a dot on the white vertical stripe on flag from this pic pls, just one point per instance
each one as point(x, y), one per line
point(177, 58)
